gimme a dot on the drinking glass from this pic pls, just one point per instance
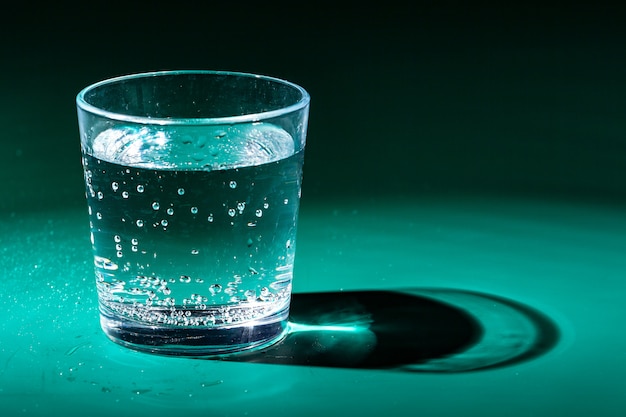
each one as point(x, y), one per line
point(193, 184)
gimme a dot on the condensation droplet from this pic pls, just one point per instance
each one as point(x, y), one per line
point(215, 288)
point(286, 201)
point(259, 213)
point(139, 223)
point(210, 218)
point(117, 238)
point(233, 184)
point(266, 205)
point(119, 254)
point(181, 191)
point(164, 222)
point(194, 210)
point(99, 216)
point(170, 211)
point(134, 241)
point(231, 212)
point(124, 194)
point(185, 279)
point(155, 205)
point(100, 195)
point(195, 251)
point(140, 188)
point(115, 186)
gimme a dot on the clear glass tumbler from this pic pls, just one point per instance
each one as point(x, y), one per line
point(193, 185)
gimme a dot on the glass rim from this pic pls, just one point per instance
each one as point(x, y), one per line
point(146, 120)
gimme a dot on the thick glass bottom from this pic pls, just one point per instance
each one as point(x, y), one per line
point(198, 341)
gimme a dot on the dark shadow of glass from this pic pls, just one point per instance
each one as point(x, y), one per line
point(414, 330)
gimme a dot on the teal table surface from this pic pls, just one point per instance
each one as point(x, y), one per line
point(462, 235)
point(534, 290)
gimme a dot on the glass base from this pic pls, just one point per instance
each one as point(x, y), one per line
point(195, 341)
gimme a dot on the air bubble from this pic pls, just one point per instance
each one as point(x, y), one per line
point(105, 263)
point(194, 210)
point(125, 194)
point(259, 213)
point(170, 211)
point(166, 291)
point(266, 205)
point(140, 188)
point(250, 295)
point(210, 218)
point(155, 205)
point(117, 238)
point(100, 195)
point(118, 246)
point(134, 241)
point(286, 201)
point(164, 223)
point(99, 216)
point(233, 184)
point(181, 191)
point(241, 206)
point(215, 288)
point(115, 186)
point(195, 251)
point(185, 279)
point(139, 223)
point(231, 212)
point(119, 254)
point(249, 242)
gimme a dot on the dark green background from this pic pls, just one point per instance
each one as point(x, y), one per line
point(461, 147)
point(405, 99)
